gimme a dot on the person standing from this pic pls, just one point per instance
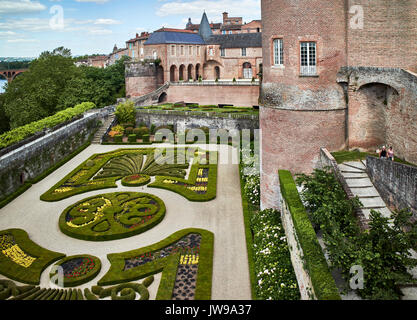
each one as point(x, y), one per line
point(390, 154)
point(383, 153)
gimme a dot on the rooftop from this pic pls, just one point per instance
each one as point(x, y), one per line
point(239, 40)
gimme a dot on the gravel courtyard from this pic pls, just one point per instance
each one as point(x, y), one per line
point(222, 216)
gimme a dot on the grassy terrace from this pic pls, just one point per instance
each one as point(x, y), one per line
point(194, 108)
point(344, 156)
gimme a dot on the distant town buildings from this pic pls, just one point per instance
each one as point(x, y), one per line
point(190, 49)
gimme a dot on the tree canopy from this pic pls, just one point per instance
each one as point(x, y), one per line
point(54, 83)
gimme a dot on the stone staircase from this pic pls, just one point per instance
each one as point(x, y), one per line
point(357, 179)
point(102, 130)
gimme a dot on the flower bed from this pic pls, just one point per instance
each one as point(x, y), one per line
point(274, 271)
point(112, 216)
point(186, 259)
point(21, 259)
point(136, 180)
point(102, 171)
point(79, 269)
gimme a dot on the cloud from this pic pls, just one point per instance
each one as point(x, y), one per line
point(248, 9)
point(22, 40)
point(100, 32)
point(106, 22)
point(20, 6)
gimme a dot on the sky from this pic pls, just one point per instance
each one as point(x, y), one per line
point(29, 27)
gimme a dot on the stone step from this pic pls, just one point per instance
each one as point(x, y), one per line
point(359, 183)
point(348, 168)
point(372, 203)
point(356, 164)
point(365, 192)
point(384, 211)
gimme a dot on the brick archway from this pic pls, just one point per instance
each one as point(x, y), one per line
point(173, 73)
point(10, 75)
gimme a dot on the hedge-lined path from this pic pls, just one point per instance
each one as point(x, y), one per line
point(222, 216)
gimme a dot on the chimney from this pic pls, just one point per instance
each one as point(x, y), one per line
point(225, 16)
point(137, 35)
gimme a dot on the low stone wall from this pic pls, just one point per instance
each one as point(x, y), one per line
point(32, 159)
point(297, 256)
point(395, 182)
point(327, 160)
point(184, 120)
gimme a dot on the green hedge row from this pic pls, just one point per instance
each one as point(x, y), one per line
point(20, 133)
point(117, 274)
point(315, 262)
point(31, 274)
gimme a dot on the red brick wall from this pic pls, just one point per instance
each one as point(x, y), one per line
point(237, 95)
point(388, 37)
point(291, 140)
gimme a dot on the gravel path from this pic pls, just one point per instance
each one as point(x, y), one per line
point(222, 216)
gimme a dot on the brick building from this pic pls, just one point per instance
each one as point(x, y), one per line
point(230, 25)
point(184, 55)
point(336, 74)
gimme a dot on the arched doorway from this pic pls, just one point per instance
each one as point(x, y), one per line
point(182, 72)
point(197, 71)
point(163, 97)
point(370, 110)
point(190, 72)
point(247, 71)
point(217, 72)
point(160, 75)
point(173, 73)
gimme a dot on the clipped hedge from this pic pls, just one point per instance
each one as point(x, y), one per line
point(79, 280)
point(111, 230)
point(315, 262)
point(32, 273)
point(20, 133)
point(117, 274)
point(186, 193)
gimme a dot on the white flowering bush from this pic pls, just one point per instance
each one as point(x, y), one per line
point(253, 189)
point(275, 275)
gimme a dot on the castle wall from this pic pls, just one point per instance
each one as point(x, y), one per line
point(34, 158)
point(388, 37)
point(299, 114)
point(204, 94)
point(140, 79)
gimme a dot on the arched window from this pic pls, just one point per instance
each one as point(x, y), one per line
point(247, 70)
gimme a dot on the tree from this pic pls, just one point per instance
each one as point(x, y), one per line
point(125, 112)
point(4, 120)
point(35, 94)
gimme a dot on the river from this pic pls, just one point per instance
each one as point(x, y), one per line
point(2, 83)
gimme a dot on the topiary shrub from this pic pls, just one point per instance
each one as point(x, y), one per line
point(132, 138)
point(118, 138)
point(128, 130)
point(146, 138)
point(138, 133)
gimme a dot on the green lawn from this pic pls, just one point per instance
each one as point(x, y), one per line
point(344, 156)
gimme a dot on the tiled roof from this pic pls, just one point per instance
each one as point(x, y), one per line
point(178, 37)
point(239, 40)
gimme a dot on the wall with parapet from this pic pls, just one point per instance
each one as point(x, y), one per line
point(32, 159)
point(182, 120)
point(238, 94)
point(395, 182)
